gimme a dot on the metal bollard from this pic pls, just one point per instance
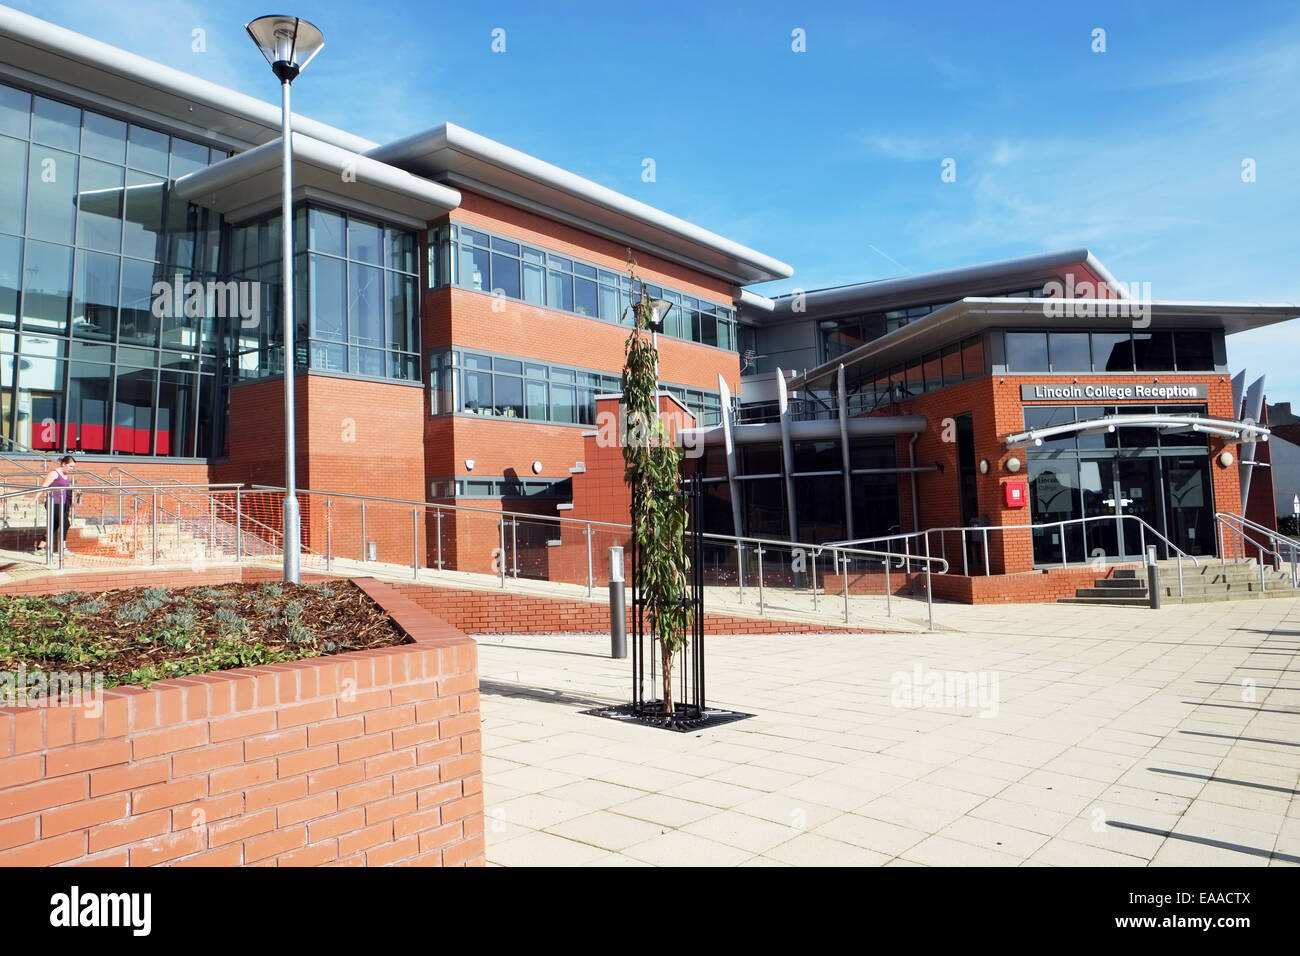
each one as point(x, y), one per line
point(617, 606)
point(1153, 578)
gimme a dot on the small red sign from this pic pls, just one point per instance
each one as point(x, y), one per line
point(1016, 492)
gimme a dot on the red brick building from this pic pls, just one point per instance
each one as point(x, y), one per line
point(459, 306)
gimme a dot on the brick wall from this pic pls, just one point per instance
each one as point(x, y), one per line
point(367, 758)
point(489, 612)
point(996, 412)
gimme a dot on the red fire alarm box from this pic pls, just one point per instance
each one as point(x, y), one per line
point(1017, 493)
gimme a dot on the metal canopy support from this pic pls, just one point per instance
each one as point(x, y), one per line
point(787, 453)
point(730, 445)
point(1252, 412)
point(842, 394)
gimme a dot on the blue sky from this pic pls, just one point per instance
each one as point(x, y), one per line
point(830, 159)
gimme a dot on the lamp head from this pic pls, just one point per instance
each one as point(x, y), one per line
point(658, 312)
point(288, 43)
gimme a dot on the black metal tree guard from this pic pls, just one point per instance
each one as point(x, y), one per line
point(690, 711)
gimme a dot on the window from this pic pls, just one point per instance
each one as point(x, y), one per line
point(1027, 352)
point(13, 185)
point(1070, 352)
point(357, 306)
point(87, 224)
point(1153, 351)
point(99, 206)
point(1112, 352)
point(484, 262)
point(503, 387)
point(1194, 351)
point(51, 195)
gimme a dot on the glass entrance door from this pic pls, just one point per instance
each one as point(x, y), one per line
point(1113, 487)
point(1137, 493)
point(1187, 486)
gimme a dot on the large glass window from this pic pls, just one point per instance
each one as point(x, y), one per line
point(1027, 352)
point(11, 260)
point(78, 190)
point(99, 206)
point(1112, 352)
point(47, 287)
point(94, 308)
point(479, 384)
point(144, 216)
point(15, 112)
point(13, 184)
point(474, 259)
point(103, 138)
point(1153, 351)
point(357, 308)
point(51, 194)
point(1194, 350)
point(56, 124)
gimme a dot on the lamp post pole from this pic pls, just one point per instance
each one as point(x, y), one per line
point(288, 43)
point(292, 517)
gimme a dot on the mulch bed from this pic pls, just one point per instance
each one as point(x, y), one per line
point(140, 635)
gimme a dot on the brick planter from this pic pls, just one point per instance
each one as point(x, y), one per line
point(366, 758)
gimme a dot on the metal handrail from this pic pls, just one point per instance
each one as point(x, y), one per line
point(840, 553)
point(436, 504)
point(1230, 521)
point(984, 529)
point(77, 489)
point(1143, 528)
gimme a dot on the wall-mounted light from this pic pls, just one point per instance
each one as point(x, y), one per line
point(537, 468)
point(1226, 460)
point(469, 464)
point(1013, 464)
point(984, 466)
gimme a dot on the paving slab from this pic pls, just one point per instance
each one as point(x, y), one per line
point(1115, 737)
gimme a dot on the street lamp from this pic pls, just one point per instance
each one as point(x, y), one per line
point(288, 43)
point(658, 313)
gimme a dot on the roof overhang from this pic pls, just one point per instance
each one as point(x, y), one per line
point(61, 61)
point(971, 315)
point(1221, 428)
point(885, 294)
point(250, 182)
point(457, 156)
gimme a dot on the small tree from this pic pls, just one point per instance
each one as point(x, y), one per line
point(652, 459)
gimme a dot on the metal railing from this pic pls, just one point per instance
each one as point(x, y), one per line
point(1244, 533)
point(231, 521)
point(127, 541)
point(979, 536)
point(764, 564)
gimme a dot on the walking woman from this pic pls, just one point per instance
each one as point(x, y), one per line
point(60, 500)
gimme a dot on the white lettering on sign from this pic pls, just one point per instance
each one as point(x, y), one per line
point(1112, 393)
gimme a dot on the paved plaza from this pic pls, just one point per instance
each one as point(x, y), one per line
point(1014, 735)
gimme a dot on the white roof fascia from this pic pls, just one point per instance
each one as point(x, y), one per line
point(453, 151)
point(225, 185)
point(64, 55)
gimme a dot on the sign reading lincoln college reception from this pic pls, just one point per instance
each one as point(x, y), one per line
point(1112, 393)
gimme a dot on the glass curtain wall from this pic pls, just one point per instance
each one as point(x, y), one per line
point(95, 355)
point(355, 298)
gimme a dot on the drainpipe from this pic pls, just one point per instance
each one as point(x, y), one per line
point(911, 461)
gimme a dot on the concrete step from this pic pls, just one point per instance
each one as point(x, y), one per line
point(1112, 594)
point(1108, 600)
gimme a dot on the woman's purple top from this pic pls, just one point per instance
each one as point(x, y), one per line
point(60, 481)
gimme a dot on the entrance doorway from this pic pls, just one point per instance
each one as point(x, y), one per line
point(1118, 487)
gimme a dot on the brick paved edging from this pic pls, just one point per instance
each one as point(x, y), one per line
point(365, 758)
point(492, 612)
